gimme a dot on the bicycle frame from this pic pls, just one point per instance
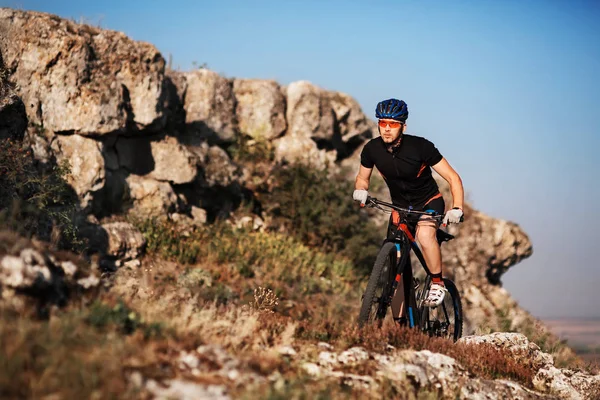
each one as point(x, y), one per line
point(405, 242)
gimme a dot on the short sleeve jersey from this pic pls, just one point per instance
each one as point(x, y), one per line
point(407, 171)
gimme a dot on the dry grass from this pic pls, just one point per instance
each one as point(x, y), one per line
point(68, 358)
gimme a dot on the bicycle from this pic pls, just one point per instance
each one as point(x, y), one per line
point(393, 258)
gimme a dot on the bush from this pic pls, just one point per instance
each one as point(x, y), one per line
point(33, 203)
point(318, 209)
point(268, 254)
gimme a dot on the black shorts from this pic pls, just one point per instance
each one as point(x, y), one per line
point(438, 205)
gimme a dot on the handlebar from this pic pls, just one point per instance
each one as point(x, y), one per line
point(372, 201)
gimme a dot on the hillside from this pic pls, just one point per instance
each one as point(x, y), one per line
point(188, 235)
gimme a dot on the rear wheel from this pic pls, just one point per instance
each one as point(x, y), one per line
point(446, 319)
point(376, 298)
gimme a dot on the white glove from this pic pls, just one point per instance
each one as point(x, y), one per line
point(453, 216)
point(360, 195)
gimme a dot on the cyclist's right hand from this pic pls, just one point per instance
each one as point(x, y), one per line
point(360, 195)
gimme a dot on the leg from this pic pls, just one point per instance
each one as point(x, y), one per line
point(426, 236)
point(430, 247)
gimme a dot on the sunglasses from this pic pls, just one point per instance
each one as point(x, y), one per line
point(392, 124)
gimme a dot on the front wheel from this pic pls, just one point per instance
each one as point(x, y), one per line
point(446, 319)
point(378, 292)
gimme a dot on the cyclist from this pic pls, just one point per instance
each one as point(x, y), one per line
point(405, 163)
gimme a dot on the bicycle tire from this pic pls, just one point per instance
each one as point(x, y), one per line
point(381, 279)
point(451, 312)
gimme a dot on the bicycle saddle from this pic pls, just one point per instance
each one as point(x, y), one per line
point(443, 236)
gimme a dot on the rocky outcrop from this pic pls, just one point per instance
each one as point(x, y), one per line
point(163, 160)
point(564, 383)
point(150, 197)
point(367, 374)
point(79, 79)
point(96, 92)
point(209, 106)
point(323, 126)
point(115, 240)
point(260, 108)
point(46, 278)
point(87, 170)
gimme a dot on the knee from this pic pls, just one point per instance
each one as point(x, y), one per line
point(426, 237)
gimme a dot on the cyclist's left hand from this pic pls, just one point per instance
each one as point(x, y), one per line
point(453, 216)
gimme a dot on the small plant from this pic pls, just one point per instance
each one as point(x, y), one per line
point(123, 318)
point(252, 150)
point(35, 203)
point(265, 300)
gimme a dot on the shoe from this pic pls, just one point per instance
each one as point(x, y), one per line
point(435, 296)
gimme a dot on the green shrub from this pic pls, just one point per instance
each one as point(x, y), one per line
point(127, 321)
point(34, 203)
point(268, 254)
point(246, 149)
point(317, 207)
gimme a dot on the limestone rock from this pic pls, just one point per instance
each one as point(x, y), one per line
point(210, 105)
point(260, 108)
point(47, 277)
point(302, 149)
point(353, 124)
point(87, 164)
point(125, 241)
point(164, 160)
point(564, 383)
point(77, 78)
point(150, 197)
point(309, 111)
point(219, 169)
point(516, 343)
point(323, 126)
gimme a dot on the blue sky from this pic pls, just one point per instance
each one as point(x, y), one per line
point(507, 90)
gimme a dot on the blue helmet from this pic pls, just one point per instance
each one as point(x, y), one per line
point(392, 109)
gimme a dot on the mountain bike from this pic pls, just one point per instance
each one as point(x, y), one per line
point(393, 265)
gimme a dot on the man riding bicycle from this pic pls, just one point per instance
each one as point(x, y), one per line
point(405, 163)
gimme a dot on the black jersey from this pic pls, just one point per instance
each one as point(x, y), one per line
point(406, 170)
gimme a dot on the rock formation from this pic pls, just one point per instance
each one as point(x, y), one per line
point(47, 278)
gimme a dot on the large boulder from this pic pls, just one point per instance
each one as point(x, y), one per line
point(164, 159)
point(150, 197)
point(309, 112)
point(260, 108)
point(563, 383)
point(77, 78)
point(119, 240)
point(219, 169)
point(323, 126)
point(47, 277)
point(87, 173)
point(302, 149)
point(352, 123)
point(209, 105)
